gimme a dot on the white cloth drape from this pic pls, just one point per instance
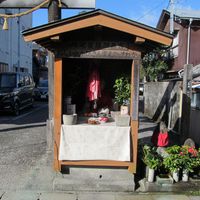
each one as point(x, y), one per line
point(94, 142)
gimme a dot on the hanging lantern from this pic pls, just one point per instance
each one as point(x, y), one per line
point(5, 24)
point(59, 3)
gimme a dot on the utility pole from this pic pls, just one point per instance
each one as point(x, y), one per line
point(186, 104)
point(171, 3)
point(18, 42)
point(54, 11)
point(54, 14)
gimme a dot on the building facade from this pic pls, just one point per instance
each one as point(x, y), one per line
point(15, 53)
point(186, 44)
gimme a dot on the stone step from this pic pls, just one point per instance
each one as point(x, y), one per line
point(92, 179)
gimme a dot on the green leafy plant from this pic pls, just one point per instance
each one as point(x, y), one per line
point(175, 149)
point(173, 161)
point(154, 63)
point(185, 157)
point(151, 158)
point(122, 89)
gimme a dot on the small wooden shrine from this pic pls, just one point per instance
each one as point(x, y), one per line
point(114, 44)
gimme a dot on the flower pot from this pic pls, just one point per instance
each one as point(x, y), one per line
point(122, 120)
point(70, 119)
point(68, 100)
point(175, 175)
point(113, 114)
point(146, 171)
point(185, 175)
point(124, 110)
point(151, 175)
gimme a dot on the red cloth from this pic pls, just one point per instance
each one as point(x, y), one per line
point(160, 139)
point(94, 89)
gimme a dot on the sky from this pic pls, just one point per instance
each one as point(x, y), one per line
point(143, 11)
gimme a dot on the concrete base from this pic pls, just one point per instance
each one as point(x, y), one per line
point(92, 179)
point(189, 186)
point(160, 179)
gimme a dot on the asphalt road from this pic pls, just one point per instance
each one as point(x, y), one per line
point(24, 161)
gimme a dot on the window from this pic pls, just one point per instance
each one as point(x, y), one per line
point(195, 102)
point(174, 48)
point(1, 21)
point(3, 67)
point(7, 80)
point(31, 80)
point(21, 81)
point(27, 80)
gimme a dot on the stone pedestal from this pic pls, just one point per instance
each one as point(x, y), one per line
point(95, 179)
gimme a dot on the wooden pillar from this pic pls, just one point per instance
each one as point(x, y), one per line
point(57, 110)
point(134, 112)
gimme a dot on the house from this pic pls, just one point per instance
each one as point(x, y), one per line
point(186, 44)
point(15, 54)
point(112, 45)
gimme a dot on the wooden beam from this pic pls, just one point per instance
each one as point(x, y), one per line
point(97, 49)
point(102, 20)
point(57, 110)
point(55, 38)
point(105, 163)
point(139, 40)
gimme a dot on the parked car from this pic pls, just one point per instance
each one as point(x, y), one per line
point(16, 91)
point(41, 92)
point(141, 89)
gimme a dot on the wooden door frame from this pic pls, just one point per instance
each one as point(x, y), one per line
point(131, 165)
point(57, 110)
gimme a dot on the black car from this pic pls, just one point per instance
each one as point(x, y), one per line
point(41, 92)
point(16, 91)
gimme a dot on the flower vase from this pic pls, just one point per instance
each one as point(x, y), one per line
point(185, 175)
point(175, 175)
point(151, 175)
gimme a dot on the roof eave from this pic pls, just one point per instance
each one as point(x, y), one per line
point(92, 14)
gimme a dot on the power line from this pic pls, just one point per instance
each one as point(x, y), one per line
point(148, 12)
point(168, 5)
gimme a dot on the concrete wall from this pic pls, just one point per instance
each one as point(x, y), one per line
point(194, 125)
point(13, 49)
point(161, 101)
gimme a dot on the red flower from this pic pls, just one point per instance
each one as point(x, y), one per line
point(192, 151)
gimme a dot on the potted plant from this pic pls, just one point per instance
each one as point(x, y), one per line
point(173, 162)
point(122, 91)
point(152, 159)
point(190, 160)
